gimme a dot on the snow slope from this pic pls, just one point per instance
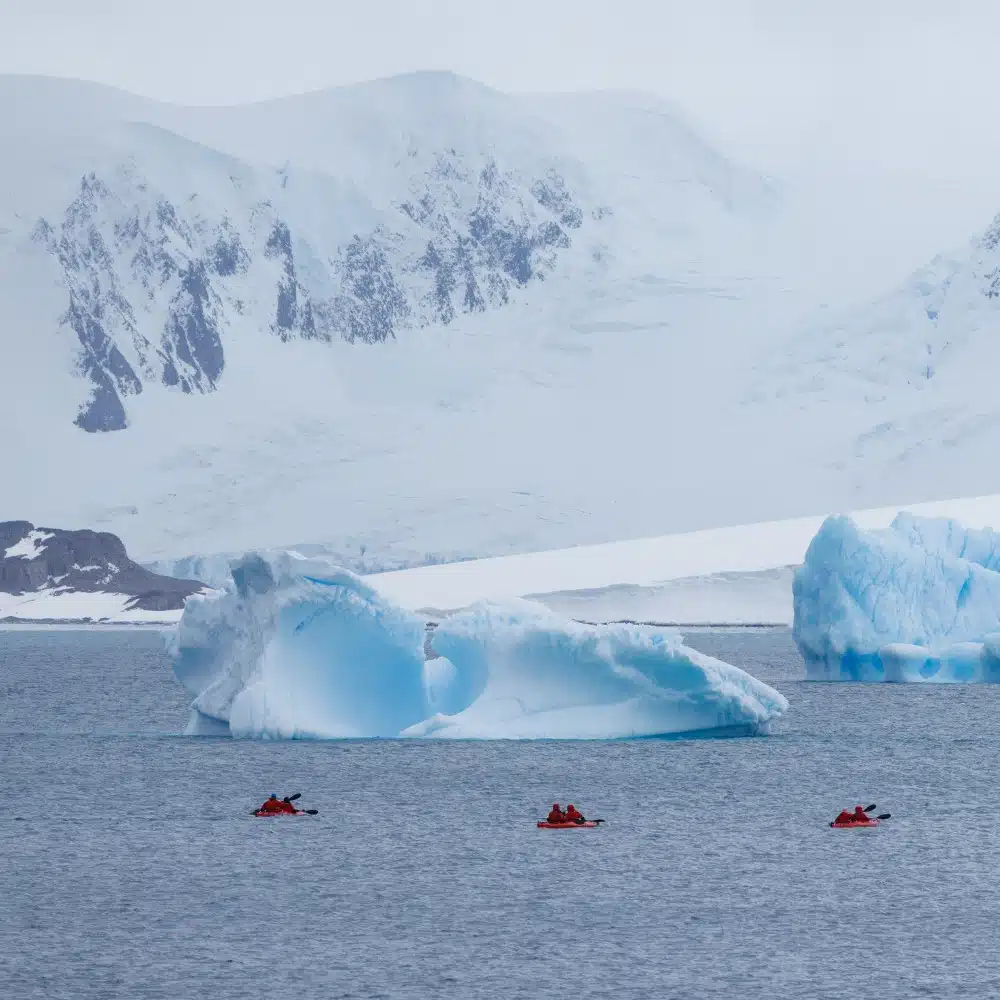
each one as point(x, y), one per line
point(762, 597)
point(52, 605)
point(897, 393)
point(715, 571)
point(301, 648)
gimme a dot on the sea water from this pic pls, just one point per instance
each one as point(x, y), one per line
point(130, 866)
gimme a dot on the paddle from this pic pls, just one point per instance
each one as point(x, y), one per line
point(868, 809)
point(298, 795)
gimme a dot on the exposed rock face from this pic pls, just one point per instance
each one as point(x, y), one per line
point(155, 283)
point(52, 559)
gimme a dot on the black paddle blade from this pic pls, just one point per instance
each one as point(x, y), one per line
point(868, 809)
point(884, 816)
point(597, 821)
point(311, 812)
point(298, 795)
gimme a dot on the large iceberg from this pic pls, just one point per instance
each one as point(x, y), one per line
point(297, 647)
point(917, 601)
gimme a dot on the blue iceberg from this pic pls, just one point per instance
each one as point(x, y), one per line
point(918, 601)
point(300, 648)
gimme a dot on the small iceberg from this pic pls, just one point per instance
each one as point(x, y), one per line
point(916, 602)
point(300, 648)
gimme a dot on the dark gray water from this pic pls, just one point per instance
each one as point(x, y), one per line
point(129, 866)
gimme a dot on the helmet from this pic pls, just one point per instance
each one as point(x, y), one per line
point(571, 806)
point(274, 795)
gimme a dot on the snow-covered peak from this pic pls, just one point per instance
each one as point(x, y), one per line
point(936, 323)
point(896, 397)
point(322, 308)
point(348, 214)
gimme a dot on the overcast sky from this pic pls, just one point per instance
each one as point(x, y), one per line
point(886, 84)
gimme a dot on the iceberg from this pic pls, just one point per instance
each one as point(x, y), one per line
point(918, 601)
point(295, 647)
point(524, 672)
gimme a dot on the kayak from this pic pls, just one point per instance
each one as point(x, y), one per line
point(587, 825)
point(271, 815)
point(854, 825)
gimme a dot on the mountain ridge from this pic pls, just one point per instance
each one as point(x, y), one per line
point(405, 323)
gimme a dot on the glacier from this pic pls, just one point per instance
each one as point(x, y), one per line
point(918, 601)
point(298, 647)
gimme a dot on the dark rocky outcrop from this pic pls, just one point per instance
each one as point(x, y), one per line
point(154, 283)
point(192, 342)
point(34, 559)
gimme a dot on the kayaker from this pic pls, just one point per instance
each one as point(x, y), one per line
point(572, 815)
point(275, 805)
point(556, 815)
point(844, 817)
point(860, 816)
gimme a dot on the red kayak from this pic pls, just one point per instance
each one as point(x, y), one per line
point(587, 825)
point(855, 825)
point(271, 815)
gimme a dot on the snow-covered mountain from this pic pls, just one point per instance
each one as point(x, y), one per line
point(419, 320)
point(396, 318)
point(397, 206)
point(897, 394)
point(166, 246)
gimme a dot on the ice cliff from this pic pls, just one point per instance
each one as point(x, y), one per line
point(917, 601)
point(298, 647)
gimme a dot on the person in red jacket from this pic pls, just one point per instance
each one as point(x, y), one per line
point(556, 815)
point(860, 816)
point(572, 816)
point(275, 805)
point(844, 817)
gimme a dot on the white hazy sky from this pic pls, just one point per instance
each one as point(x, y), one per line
point(894, 85)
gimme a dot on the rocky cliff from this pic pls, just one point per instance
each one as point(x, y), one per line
point(57, 561)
